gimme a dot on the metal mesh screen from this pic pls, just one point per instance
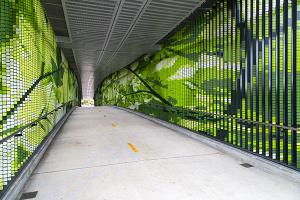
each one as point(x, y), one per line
point(232, 74)
point(36, 84)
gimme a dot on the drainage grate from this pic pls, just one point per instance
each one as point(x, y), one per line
point(247, 165)
point(29, 195)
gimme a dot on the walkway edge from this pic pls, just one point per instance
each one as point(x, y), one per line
point(242, 156)
point(15, 189)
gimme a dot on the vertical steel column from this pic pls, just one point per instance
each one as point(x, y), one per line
point(232, 52)
point(221, 84)
point(270, 101)
point(257, 76)
point(238, 88)
point(204, 86)
point(243, 37)
point(221, 67)
point(250, 72)
point(285, 80)
point(294, 82)
point(183, 88)
point(277, 101)
point(209, 65)
point(184, 71)
point(195, 78)
point(229, 76)
point(207, 74)
point(212, 61)
point(199, 72)
point(225, 67)
point(263, 73)
point(216, 63)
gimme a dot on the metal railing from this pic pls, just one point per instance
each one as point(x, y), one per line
point(17, 149)
point(264, 142)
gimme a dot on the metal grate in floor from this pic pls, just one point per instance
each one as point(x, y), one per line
point(247, 165)
point(29, 195)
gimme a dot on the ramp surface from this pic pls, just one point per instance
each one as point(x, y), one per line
point(109, 154)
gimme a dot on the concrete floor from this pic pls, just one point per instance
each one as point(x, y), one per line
point(108, 154)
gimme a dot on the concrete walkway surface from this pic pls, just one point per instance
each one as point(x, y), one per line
point(104, 153)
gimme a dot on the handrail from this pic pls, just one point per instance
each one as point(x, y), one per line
point(31, 124)
point(233, 118)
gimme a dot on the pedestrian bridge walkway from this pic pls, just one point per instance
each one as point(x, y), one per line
point(109, 154)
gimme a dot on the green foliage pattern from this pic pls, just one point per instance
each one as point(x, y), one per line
point(221, 75)
point(34, 80)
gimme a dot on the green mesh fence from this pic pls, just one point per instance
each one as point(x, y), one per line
point(233, 74)
point(35, 84)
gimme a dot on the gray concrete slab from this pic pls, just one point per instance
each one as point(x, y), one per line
point(91, 159)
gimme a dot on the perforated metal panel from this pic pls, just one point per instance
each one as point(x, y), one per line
point(107, 35)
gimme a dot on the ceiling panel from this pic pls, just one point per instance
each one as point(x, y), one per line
point(107, 35)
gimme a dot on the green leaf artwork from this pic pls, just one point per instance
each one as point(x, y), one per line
point(34, 79)
point(218, 76)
